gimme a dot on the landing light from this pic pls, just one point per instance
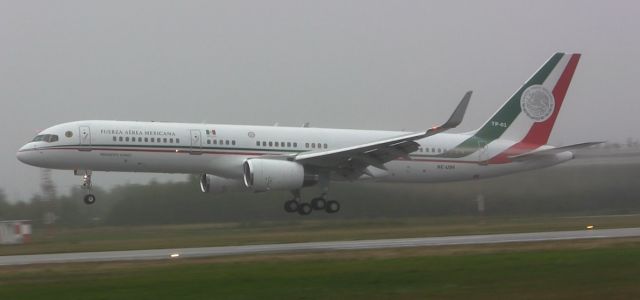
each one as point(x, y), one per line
point(175, 255)
point(590, 227)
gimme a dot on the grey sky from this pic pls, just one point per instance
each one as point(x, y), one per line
point(352, 64)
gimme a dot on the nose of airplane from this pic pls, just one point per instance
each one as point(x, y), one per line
point(25, 155)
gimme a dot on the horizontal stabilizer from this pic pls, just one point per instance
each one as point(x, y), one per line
point(552, 151)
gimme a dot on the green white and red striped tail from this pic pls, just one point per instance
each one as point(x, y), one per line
point(527, 118)
point(539, 101)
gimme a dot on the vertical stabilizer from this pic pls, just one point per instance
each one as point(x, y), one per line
point(528, 116)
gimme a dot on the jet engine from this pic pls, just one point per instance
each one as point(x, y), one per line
point(215, 184)
point(261, 175)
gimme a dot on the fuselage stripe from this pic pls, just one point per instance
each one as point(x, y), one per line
point(187, 150)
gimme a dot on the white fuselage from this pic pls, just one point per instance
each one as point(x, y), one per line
point(220, 150)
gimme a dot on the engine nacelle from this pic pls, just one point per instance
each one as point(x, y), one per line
point(261, 175)
point(215, 184)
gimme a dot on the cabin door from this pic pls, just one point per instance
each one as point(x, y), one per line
point(85, 138)
point(196, 142)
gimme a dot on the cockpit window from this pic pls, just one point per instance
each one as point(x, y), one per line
point(49, 138)
point(38, 138)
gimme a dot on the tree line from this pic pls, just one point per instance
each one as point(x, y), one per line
point(559, 190)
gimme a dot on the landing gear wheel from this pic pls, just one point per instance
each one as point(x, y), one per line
point(319, 203)
point(304, 209)
point(89, 199)
point(291, 206)
point(332, 206)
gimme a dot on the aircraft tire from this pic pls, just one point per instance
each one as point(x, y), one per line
point(89, 199)
point(304, 209)
point(291, 206)
point(332, 206)
point(319, 203)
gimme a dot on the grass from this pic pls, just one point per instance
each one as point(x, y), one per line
point(200, 235)
point(587, 269)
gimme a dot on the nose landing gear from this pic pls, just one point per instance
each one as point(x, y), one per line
point(89, 198)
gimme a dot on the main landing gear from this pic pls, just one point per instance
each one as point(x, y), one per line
point(303, 208)
point(89, 198)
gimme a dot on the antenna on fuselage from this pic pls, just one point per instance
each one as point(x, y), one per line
point(306, 125)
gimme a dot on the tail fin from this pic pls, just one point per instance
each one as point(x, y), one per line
point(529, 115)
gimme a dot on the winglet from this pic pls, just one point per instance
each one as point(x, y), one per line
point(457, 116)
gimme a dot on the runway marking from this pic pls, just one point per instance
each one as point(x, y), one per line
point(164, 254)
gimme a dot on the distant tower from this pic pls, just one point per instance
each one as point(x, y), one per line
point(480, 202)
point(49, 196)
point(47, 186)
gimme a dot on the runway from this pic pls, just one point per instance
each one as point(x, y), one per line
point(160, 254)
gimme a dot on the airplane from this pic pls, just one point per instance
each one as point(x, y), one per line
point(269, 158)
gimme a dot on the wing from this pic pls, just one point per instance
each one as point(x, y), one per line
point(553, 151)
point(352, 161)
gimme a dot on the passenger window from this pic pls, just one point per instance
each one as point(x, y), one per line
point(146, 140)
point(313, 145)
point(164, 140)
point(289, 144)
point(257, 143)
point(114, 138)
point(126, 139)
point(233, 142)
point(139, 139)
point(171, 140)
point(281, 144)
point(177, 141)
point(153, 140)
point(306, 145)
point(295, 145)
point(270, 144)
point(277, 144)
point(433, 150)
point(120, 139)
point(326, 146)
point(226, 142)
point(215, 142)
point(264, 144)
point(439, 150)
point(207, 131)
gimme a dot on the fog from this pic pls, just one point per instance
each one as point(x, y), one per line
point(398, 65)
